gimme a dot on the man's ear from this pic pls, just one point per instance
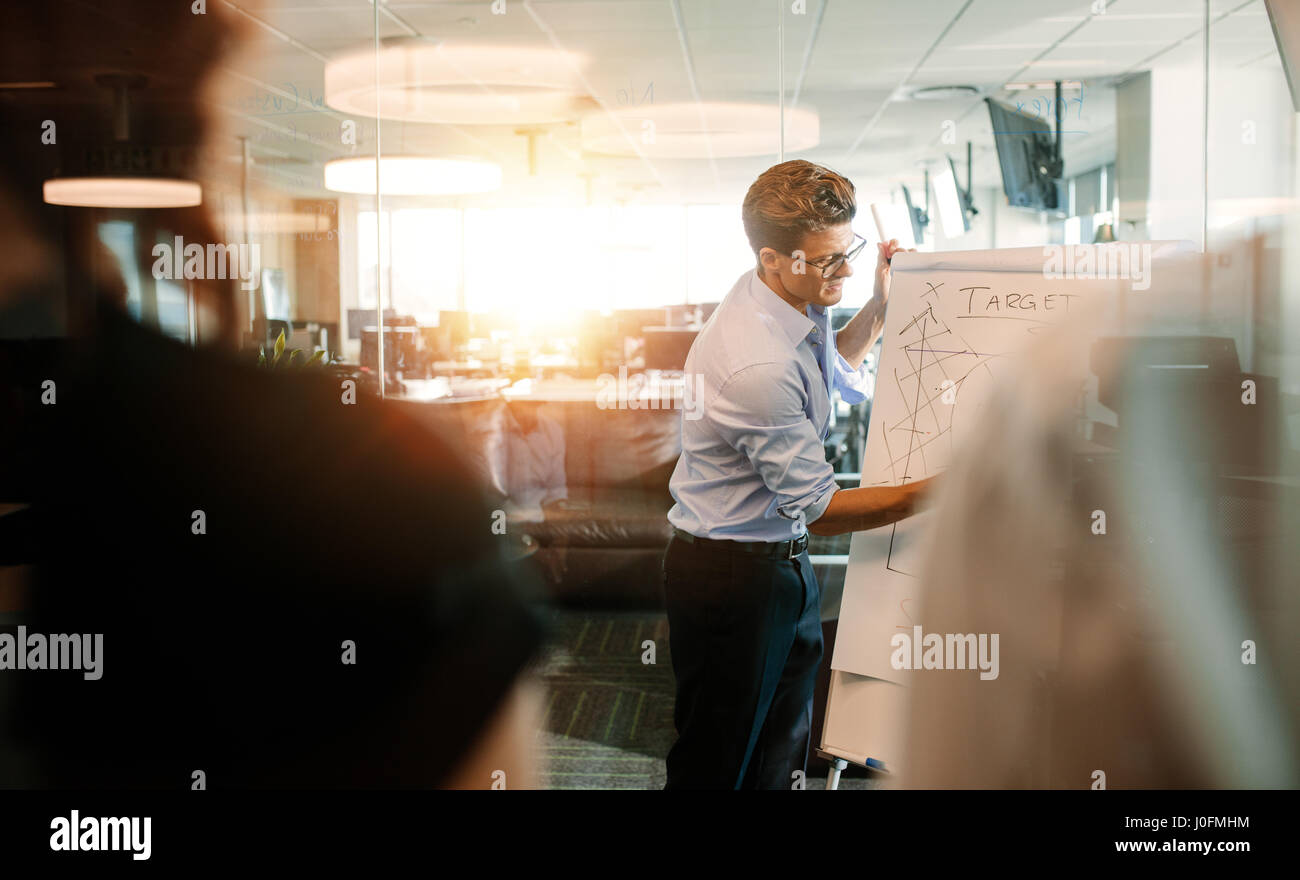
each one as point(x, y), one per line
point(769, 260)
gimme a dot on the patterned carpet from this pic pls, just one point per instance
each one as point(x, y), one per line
point(609, 717)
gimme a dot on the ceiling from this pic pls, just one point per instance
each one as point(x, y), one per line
point(854, 61)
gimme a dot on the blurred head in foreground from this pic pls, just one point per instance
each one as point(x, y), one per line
point(1144, 610)
point(291, 588)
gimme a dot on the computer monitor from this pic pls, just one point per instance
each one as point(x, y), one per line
point(1027, 156)
point(666, 347)
point(918, 217)
point(457, 326)
point(401, 348)
point(275, 295)
point(1196, 385)
point(1284, 16)
point(947, 195)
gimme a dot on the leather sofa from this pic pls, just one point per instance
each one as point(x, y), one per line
point(604, 543)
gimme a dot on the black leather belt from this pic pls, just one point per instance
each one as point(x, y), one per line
point(779, 549)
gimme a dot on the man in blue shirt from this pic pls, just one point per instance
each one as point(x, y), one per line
point(752, 481)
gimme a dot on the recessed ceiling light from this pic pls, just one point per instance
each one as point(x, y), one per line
point(423, 82)
point(1065, 62)
point(123, 192)
point(697, 130)
point(287, 222)
point(942, 93)
point(412, 176)
point(1045, 86)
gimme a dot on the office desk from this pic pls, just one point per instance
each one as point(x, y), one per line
point(443, 388)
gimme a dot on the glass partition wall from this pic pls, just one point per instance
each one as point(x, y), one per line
point(547, 167)
point(541, 161)
point(521, 165)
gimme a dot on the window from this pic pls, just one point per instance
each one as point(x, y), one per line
point(551, 263)
point(421, 266)
point(119, 237)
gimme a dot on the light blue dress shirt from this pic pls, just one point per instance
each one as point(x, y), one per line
point(753, 464)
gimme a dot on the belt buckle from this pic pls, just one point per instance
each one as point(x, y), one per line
point(793, 553)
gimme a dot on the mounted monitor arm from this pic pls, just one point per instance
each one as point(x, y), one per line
point(927, 195)
point(1060, 119)
point(919, 217)
point(969, 172)
point(1053, 166)
point(968, 193)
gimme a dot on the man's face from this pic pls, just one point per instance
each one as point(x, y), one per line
point(803, 282)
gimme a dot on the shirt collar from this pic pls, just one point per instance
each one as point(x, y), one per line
point(796, 326)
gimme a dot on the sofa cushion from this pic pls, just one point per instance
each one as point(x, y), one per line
point(617, 447)
point(474, 427)
point(609, 517)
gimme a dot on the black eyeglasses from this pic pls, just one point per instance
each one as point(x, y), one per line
point(830, 265)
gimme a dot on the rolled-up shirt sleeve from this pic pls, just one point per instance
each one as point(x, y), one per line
point(760, 413)
point(854, 386)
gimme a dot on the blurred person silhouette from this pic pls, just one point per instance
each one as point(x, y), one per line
point(535, 476)
point(1121, 648)
point(535, 479)
point(292, 591)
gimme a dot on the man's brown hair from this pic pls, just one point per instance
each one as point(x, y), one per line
point(789, 200)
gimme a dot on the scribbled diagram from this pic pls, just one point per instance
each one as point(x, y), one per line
point(957, 323)
point(920, 396)
point(939, 359)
